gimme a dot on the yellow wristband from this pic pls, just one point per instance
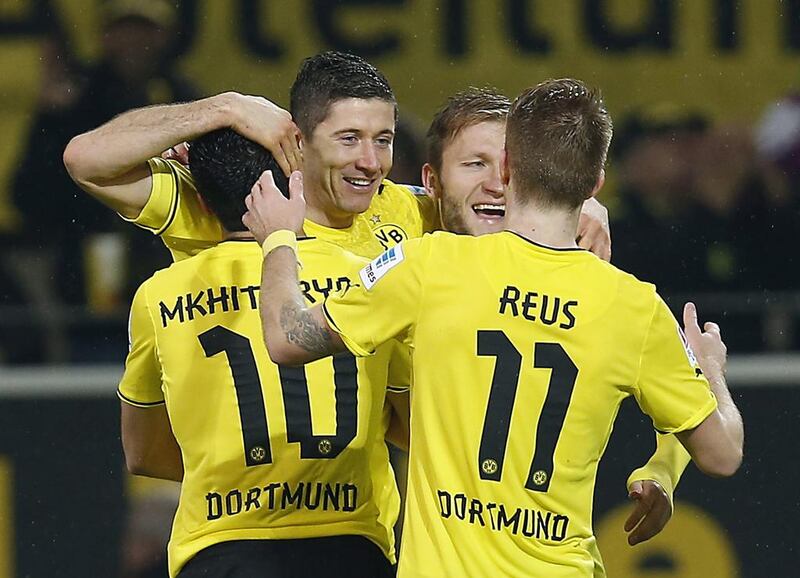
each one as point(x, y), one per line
point(281, 238)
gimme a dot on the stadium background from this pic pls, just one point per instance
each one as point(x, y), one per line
point(65, 502)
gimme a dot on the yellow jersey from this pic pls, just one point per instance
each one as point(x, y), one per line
point(269, 452)
point(522, 355)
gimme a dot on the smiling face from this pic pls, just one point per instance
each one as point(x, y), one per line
point(346, 158)
point(468, 186)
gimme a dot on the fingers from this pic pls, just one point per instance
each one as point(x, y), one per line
point(594, 237)
point(653, 522)
point(281, 158)
point(292, 149)
point(635, 491)
point(182, 153)
point(179, 153)
point(247, 218)
point(266, 182)
point(296, 187)
point(690, 325)
point(641, 507)
point(651, 514)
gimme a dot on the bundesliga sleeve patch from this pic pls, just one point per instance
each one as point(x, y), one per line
point(687, 348)
point(372, 273)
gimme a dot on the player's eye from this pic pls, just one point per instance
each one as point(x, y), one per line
point(348, 139)
point(475, 164)
point(384, 142)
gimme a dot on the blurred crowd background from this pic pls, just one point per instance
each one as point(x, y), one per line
point(703, 179)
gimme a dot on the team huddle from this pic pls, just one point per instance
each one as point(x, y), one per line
point(312, 314)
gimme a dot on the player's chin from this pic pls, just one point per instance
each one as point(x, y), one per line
point(480, 226)
point(356, 203)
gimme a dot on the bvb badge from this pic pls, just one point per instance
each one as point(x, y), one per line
point(325, 447)
point(257, 453)
point(540, 477)
point(489, 466)
point(389, 235)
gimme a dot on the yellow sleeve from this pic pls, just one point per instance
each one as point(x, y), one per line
point(385, 302)
point(670, 387)
point(665, 466)
point(399, 367)
point(175, 213)
point(141, 381)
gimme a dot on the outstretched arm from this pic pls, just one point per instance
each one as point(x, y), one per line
point(294, 333)
point(110, 162)
point(716, 445)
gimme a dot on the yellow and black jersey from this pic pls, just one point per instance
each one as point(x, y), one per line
point(175, 213)
point(522, 355)
point(263, 457)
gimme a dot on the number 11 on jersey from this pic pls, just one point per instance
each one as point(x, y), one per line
point(502, 396)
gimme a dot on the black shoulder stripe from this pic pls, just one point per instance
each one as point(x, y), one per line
point(139, 403)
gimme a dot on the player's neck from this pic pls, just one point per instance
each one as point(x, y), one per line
point(321, 211)
point(552, 227)
point(327, 218)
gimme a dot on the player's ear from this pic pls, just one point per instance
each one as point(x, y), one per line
point(600, 182)
point(505, 174)
point(430, 181)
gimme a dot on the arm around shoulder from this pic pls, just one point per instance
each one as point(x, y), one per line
point(110, 162)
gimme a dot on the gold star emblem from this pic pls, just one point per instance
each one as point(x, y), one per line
point(375, 219)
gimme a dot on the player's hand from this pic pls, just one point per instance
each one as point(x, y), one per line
point(707, 345)
point(269, 211)
point(270, 126)
point(594, 232)
point(179, 152)
point(651, 512)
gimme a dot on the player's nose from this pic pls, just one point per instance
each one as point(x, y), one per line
point(368, 159)
point(494, 185)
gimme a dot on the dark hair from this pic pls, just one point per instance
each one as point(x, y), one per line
point(462, 110)
point(225, 166)
point(557, 137)
point(331, 76)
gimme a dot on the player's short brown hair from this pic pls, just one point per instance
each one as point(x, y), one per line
point(463, 109)
point(557, 138)
point(327, 78)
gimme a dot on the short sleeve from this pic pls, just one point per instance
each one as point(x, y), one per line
point(399, 377)
point(385, 302)
point(141, 381)
point(174, 211)
point(670, 388)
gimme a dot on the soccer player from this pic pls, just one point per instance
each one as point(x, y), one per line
point(462, 176)
point(524, 346)
point(284, 470)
